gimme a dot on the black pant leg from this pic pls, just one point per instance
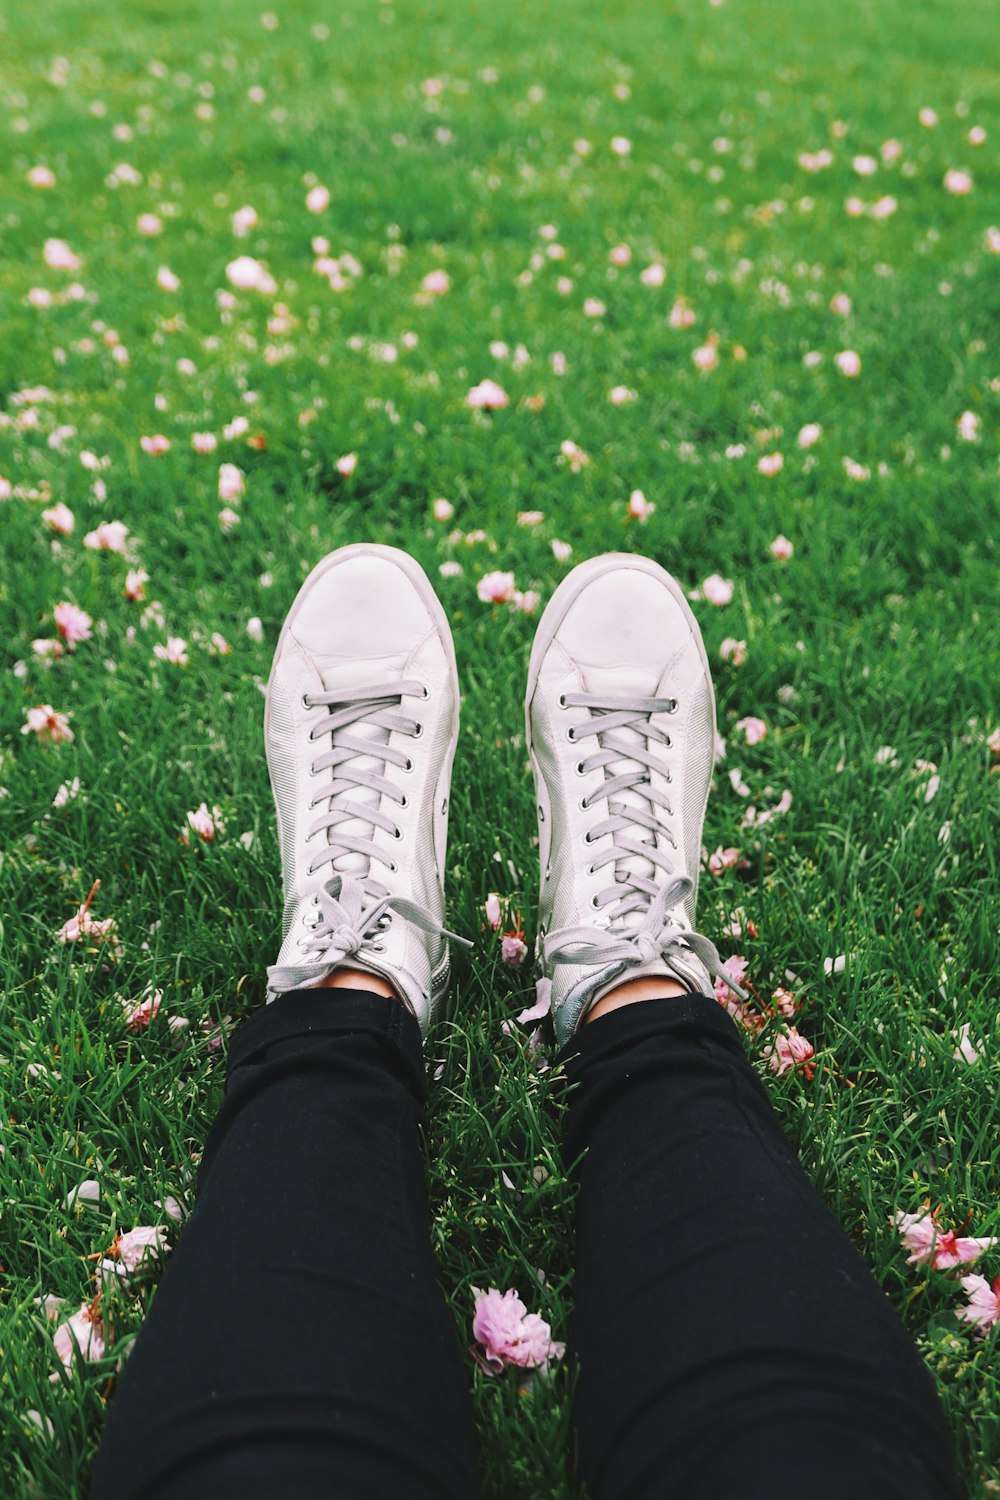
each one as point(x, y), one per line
point(299, 1345)
point(731, 1341)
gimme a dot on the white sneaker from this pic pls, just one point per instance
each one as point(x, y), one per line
point(360, 729)
point(621, 732)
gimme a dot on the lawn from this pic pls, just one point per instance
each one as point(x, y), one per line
point(732, 269)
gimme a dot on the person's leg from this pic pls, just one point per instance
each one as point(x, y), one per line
point(299, 1345)
point(731, 1341)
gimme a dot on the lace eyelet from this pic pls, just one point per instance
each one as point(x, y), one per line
point(571, 735)
point(595, 903)
point(581, 769)
point(673, 706)
point(541, 813)
point(392, 867)
point(305, 701)
point(562, 700)
point(377, 947)
point(418, 730)
point(668, 742)
point(404, 800)
point(425, 694)
point(408, 765)
point(584, 806)
point(398, 833)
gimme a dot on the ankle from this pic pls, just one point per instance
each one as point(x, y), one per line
point(359, 979)
point(635, 991)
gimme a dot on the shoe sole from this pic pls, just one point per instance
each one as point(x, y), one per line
point(424, 587)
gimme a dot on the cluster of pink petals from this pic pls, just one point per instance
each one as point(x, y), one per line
point(59, 518)
point(494, 911)
point(155, 444)
point(83, 925)
point(81, 1335)
point(639, 508)
point(983, 1308)
point(513, 948)
point(781, 548)
point(723, 859)
point(109, 536)
point(139, 1014)
point(203, 822)
point(248, 275)
point(129, 1251)
point(717, 590)
point(923, 1236)
point(47, 724)
point(754, 730)
point(499, 588)
point(72, 623)
point(487, 396)
point(509, 1335)
point(790, 1050)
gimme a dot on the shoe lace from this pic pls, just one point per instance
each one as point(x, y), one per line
point(646, 918)
point(350, 908)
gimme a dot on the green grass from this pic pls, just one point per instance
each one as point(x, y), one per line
point(881, 630)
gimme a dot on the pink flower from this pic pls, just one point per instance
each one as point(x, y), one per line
point(706, 356)
point(135, 584)
point(865, 166)
point(574, 455)
point(723, 859)
point(770, 464)
point(59, 257)
point(620, 395)
point(513, 948)
point(639, 508)
point(781, 548)
point(149, 224)
point(59, 518)
point(784, 1003)
point(41, 177)
point(922, 1235)
point(248, 275)
point(969, 426)
point(318, 199)
point(984, 1303)
point(83, 925)
point(232, 482)
point(139, 1015)
point(129, 1251)
point(620, 255)
point(593, 307)
point(436, 283)
point(841, 304)
point(204, 442)
point(175, 651)
point(965, 1051)
point(682, 314)
point(109, 536)
point(789, 1050)
point(155, 445)
point(509, 1334)
point(542, 1005)
point(958, 181)
point(347, 464)
point(47, 724)
point(203, 823)
point(809, 434)
point(73, 624)
point(167, 281)
point(717, 590)
point(653, 275)
point(736, 968)
point(487, 396)
point(493, 911)
point(733, 651)
point(621, 145)
point(46, 648)
point(754, 729)
point(243, 220)
point(848, 363)
point(495, 588)
point(82, 1334)
point(442, 509)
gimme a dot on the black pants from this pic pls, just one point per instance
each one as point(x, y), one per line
point(731, 1341)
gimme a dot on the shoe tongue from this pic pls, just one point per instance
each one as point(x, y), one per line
point(347, 676)
point(632, 679)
